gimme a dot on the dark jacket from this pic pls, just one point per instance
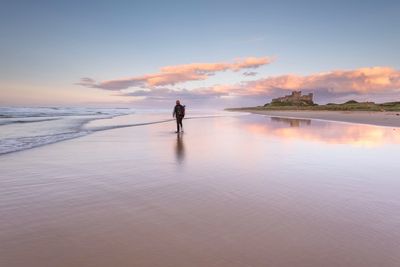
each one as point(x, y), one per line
point(179, 111)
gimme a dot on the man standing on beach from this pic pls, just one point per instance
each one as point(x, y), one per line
point(179, 114)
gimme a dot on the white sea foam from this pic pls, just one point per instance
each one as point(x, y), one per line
point(24, 128)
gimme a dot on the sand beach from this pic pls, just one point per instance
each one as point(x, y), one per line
point(391, 119)
point(234, 190)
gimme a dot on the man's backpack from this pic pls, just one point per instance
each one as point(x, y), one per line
point(180, 111)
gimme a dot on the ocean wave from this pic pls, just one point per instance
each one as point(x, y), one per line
point(19, 134)
point(24, 128)
point(10, 145)
point(24, 120)
point(29, 112)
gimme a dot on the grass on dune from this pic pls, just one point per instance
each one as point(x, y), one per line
point(351, 105)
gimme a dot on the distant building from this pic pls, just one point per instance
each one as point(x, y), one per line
point(295, 98)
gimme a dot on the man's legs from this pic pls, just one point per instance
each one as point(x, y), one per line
point(177, 124)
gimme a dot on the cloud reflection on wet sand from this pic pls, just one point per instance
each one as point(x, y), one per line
point(326, 132)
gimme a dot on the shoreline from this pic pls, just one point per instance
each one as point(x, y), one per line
point(388, 119)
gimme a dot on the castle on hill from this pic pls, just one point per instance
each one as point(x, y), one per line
point(295, 98)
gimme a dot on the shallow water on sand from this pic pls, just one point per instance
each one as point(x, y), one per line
point(230, 191)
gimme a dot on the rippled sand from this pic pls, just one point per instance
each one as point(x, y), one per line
point(230, 191)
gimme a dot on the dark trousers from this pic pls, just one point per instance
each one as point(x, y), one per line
point(179, 123)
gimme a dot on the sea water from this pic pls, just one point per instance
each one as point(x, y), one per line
point(24, 127)
point(28, 127)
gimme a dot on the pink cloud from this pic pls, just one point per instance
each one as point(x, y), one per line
point(359, 81)
point(379, 83)
point(171, 75)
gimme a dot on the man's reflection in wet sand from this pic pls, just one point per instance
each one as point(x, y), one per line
point(179, 148)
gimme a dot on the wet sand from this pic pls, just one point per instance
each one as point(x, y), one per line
point(231, 191)
point(391, 119)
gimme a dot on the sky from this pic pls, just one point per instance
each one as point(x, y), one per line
point(206, 53)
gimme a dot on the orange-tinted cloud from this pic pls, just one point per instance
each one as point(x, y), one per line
point(171, 75)
point(359, 81)
point(370, 83)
